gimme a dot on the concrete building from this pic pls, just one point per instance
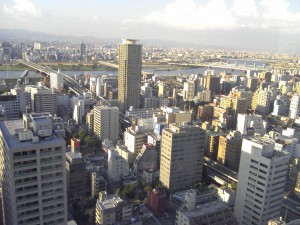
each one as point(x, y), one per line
point(211, 212)
point(57, 81)
point(261, 181)
point(205, 113)
point(43, 100)
point(134, 139)
point(261, 101)
point(279, 221)
point(229, 150)
point(212, 144)
point(32, 173)
point(130, 67)
point(76, 172)
point(111, 209)
point(146, 159)
point(294, 107)
point(250, 124)
point(78, 112)
point(189, 90)
point(252, 84)
point(182, 151)
point(106, 122)
point(10, 106)
point(90, 121)
point(117, 166)
point(212, 83)
point(234, 105)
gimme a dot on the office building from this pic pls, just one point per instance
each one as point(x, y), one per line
point(229, 150)
point(213, 84)
point(57, 81)
point(251, 124)
point(111, 209)
point(294, 107)
point(205, 113)
point(117, 166)
point(134, 139)
point(76, 172)
point(106, 122)
point(189, 90)
point(10, 106)
point(130, 66)
point(90, 121)
point(82, 50)
point(182, 152)
point(32, 173)
point(43, 100)
point(261, 181)
point(261, 101)
point(212, 144)
point(252, 84)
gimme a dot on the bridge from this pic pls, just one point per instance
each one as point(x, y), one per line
point(104, 63)
point(222, 65)
point(69, 81)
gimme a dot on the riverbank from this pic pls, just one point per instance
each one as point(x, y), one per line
point(70, 66)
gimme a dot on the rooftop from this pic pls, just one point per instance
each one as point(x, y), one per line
point(204, 209)
point(9, 127)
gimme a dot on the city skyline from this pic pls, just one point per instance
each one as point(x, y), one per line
point(225, 23)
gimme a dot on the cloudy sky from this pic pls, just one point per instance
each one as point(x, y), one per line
point(255, 24)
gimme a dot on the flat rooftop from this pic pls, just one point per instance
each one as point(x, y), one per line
point(204, 209)
point(110, 202)
point(8, 130)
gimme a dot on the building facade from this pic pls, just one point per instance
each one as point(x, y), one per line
point(261, 181)
point(32, 173)
point(130, 67)
point(182, 152)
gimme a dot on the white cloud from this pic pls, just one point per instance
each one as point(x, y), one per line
point(23, 8)
point(216, 14)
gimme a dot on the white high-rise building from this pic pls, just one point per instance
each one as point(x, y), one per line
point(32, 172)
point(117, 166)
point(189, 90)
point(261, 181)
point(245, 123)
point(294, 107)
point(78, 112)
point(106, 122)
point(57, 81)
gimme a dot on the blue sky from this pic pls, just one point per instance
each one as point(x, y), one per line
point(181, 20)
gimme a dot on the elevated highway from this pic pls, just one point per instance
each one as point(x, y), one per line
point(69, 81)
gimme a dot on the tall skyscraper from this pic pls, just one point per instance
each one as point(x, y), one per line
point(261, 181)
point(32, 172)
point(182, 151)
point(130, 67)
point(82, 49)
point(106, 122)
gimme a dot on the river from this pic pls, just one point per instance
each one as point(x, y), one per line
point(156, 71)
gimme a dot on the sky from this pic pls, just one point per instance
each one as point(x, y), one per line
point(273, 24)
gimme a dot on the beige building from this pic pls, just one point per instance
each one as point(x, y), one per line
point(129, 77)
point(90, 121)
point(182, 150)
point(178, 117)
point(111, 209)
point(106, 122)
point(32, 173)
point(229, 150)
point(134, 139)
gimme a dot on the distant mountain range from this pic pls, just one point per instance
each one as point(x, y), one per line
point(245, 39)
point(26, 35)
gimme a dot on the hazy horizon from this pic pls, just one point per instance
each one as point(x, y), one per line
point(272, 25)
